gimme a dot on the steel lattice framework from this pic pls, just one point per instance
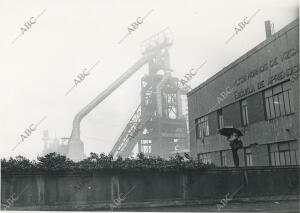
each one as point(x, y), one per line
point(157, 126)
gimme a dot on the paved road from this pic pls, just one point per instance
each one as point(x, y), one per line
point(268, 206)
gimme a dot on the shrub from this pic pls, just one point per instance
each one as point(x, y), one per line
point(54, 162)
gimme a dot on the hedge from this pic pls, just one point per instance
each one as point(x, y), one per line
point(56, 163)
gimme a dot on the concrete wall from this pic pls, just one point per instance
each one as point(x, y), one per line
point(98, 190)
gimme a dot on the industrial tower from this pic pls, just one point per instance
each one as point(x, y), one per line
point(158, 126)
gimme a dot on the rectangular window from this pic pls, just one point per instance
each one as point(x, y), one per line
point(282, 154)
point(272, 156)
point(248, 156)
point(278, 101)
point(202, 128)
point(223, 158)
point(205, 158)
point(294, 158)
point(287, 157)
point(220, 119)
point(146, 146)
point(245, 118)
point(277, 160)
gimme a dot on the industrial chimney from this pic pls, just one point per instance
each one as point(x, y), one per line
point(269, 27)
point(45, 139)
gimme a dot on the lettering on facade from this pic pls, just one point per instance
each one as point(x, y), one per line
point(257, 71)
point(249, 90)
point(277, 77)
point(288, 54)
point(260, 84)
point(273, 62)
point(264, 67)
point(292, 70)
point(273, 79)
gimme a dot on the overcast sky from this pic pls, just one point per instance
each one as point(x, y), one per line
point(40, 66)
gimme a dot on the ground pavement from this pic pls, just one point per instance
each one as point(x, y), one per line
point(266, 206)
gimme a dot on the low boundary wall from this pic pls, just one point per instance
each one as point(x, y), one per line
point(103, 190)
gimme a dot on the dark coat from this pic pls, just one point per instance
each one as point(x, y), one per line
point(236, 144)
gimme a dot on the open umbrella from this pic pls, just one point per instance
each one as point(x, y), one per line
point(228, 130)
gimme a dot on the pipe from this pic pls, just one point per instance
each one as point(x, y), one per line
point(158, 92)
point(179, 104)
point(75, 135)
point(76, 122)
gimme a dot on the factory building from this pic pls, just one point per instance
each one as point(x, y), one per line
point(53, 145)
point(258, 94)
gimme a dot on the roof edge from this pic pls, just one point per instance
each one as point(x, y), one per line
point(261, 45)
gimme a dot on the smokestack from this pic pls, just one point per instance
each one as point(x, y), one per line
point(45, 139)
point(269, 27)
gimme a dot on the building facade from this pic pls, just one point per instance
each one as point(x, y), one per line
point(259, 94)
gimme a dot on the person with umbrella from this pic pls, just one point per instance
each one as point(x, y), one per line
point(233, 136)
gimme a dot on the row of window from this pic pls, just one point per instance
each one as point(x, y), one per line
point(202, 128)
point(248, 157)
point(206, 157)
point(280, 154)
point(247, 154)
point(278, 101)
point(146, 146)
